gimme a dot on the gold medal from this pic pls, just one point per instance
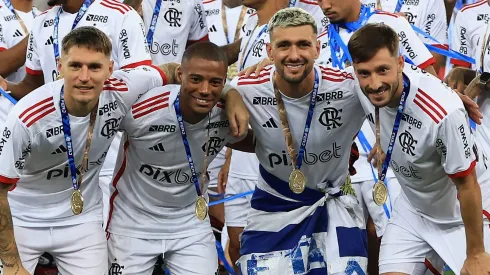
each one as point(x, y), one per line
point(201, 208)
point(76, 202)
point(380, 193)
point(297, 181)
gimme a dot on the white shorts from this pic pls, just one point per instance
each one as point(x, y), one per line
point(77, 249)
point(104, 184)
point(379, 214)
point(192, 255)
point(410, 238)
point(236, 210)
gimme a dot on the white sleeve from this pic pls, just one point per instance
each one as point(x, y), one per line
point(3, 42)
point(435, 24)
point(132, 49)
point(455, 144)
point(33, 63)
point(199, 29)
point(130, 84)
point(460, 40)
point(13, 151)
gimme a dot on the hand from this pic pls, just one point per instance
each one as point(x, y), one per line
point(223, 177)
point(455, 79)
point(256, 68)
point(402, 14)
point(3, 83)
point(472, 108)
point(237, 114)
point(374, 156)
point(478, 264)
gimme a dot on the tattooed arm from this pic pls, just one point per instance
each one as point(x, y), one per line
point(9, 255)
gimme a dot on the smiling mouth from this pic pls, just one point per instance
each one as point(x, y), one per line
point(84, 88)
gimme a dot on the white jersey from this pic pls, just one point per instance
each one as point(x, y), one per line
point(427, 15)
point(179, 22)
point(434, 143)
point(467, 27)
point(214, 18)
point(411, 46)
point(11, 33)
point(120, 22)
point(336, 120)
point(153, 194)
point(312, 7)
point(33, 151)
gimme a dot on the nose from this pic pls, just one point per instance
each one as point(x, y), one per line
point(84, 76)
point(205, 88)
point(324, 4)
point(376, 82)
point(293, 53)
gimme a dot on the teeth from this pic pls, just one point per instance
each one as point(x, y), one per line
point(201, 100)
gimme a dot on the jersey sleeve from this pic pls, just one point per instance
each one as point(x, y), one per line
point(199, 29)
point(410, 44)
point(132, 49)
point(455, 144)
point(435, 24)
point(460, 39)
point(33, 63)
point(13, 151)
point(3, 42)
point(130, 84)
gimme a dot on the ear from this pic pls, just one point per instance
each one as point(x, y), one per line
point(401, 63)
point(111, 68)
point(179, 74)
point(60, 66)
point(269, 51)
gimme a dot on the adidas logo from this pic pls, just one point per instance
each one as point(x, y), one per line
point(270, 123)
point(213, 29)
point(50, 41)
point(17, 33)
point(157, 148)
point(61, 149)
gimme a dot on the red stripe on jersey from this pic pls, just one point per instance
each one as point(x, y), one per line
point(115, 85)
point(37, 105)
point(486, 214)
point(111, 5)
point(203, 39)
point(322, 34)
point(47, 112)
point(120, 4)
point(162, 74)
point(6, 180)
point(433, 101)
point(336, 73)
point(386, 13)
point(2, 49)
point(422, 106)
point(138, 112)
point(427, 63)
point(464, 173)
point(154, 108)
point(33, 72)
point(431, 267)
point(461, 63)
point(137, 64)
point(118, 176)
point(209, 1)
point(429, 103)
point(309, 2)
point(253, 76)
point(244, 82)
point(469, 6)
point(441, 46)
point(333, 79)
point(135, 106)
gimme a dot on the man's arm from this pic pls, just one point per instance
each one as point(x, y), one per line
point(170, 70)
point(246, 145)
point(8, 248)
point(232, 51)
point(27, 85)
point(13, 58)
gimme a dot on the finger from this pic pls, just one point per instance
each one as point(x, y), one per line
point(460, 87)
point(233, 126)
point(242, 126)
point(220, 183)
point(249, 71)
point(371, 155)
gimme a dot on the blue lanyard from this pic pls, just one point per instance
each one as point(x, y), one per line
point(187, 147)
point(153, 23)
point(252, 46)
point(9, 97)
point(65, 119)
point(309, 117)
point(399, 5)
point(292, 3)
point(396, 126)
point(80, 14)
point(11, 8)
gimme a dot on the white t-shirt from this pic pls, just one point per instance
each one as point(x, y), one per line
point(434, 143)
point(153, 194)
point(467, 27)
point(213, 11)
point(33, 151)
point(335, 122)
point(427, 15)
point(11, 33)
point(179, 22)
point(312, 7)
point(411, 46)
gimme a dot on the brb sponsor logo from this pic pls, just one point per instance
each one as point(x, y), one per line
point(263, 100)
point(411, 2)
point(162, 128)
point(108, 108)
point(165, 48)
point(48, 23)
point(97, 18)
point(123, 39)
point(406, 45)
point(54, 131)
point(218, 124)
point(169, 176)
point(309, 157)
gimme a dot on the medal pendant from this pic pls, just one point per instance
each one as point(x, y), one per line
point(201, 208)
point(297, 181)
point(380, 193)
point(76, 202)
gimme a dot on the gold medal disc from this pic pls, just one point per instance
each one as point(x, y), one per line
point(297, 181)
point(380, 193)
point(76, 202)
point(201, 208)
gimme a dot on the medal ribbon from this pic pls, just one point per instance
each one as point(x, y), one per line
point(398, 7)
point(484, 47)
point(245, 57)
point(153, 23)
point(81, 12)
point(292, 3)
point(21, 22)
point(296, 159)
point(8, 96)
point(187, 147)
point(382, 170)
point(65, 119)
point(225, 23)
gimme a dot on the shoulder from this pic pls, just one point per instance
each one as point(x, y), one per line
point(473, 7)
point(334, 78)
point(113, 8)
point(156, 99)
point(45, 19)
point(37, 105)
point(262, 77)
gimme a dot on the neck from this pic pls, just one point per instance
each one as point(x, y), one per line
point(395, 101)
point(295, 90)
point(72, 6)
point(268, 10)
point(22, 5)
point(354, 12)
point(231, 3)
point(187, 114)
point(79, 110)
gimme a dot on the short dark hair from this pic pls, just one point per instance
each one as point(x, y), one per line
point(369, 39)
point(89, 37)
point(205, 50)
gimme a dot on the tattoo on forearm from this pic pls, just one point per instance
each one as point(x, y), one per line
point(8, 249)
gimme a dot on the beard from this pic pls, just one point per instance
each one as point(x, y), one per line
point(295, 79)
